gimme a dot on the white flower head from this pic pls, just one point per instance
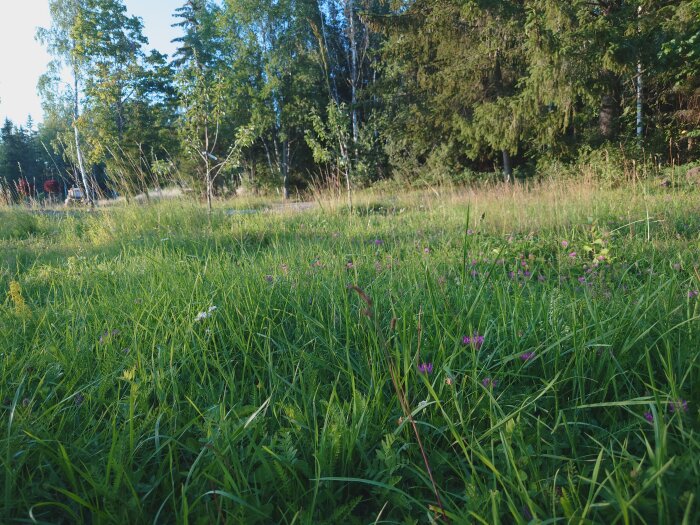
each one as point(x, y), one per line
point(201, 316)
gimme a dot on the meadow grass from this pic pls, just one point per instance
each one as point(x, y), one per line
point(161, 366)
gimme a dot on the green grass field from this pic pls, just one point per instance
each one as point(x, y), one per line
point(159, 367)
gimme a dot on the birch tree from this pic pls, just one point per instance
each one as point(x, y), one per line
point(64, 42)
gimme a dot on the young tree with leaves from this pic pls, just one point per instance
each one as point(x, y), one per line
point(64, 42)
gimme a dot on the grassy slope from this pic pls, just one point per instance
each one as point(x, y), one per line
point(119, 406)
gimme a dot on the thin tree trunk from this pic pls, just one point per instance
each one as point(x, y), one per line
point(207, 167)
point(78, 151)
point(269, 158)
point(606, 116)
point(209, 205)
point(346, 173)
point(640, 86)
point(253, 174)
point(507, 168)
point(353, 73)
point(348, 188)
point(285, 167)
point(640, 102)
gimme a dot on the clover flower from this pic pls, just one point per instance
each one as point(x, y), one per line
point(425, 368)
point(475, 340)
point(527, 356)
point(489, 383)
point(679, 405)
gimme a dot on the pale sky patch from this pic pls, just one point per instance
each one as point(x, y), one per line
point(23, 60)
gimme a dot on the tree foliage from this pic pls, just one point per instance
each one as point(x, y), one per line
point(350, 91)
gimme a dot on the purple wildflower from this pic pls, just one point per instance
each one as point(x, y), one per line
point(105, 337)
point(470, 232)
point(527, 356)
point(572, 255)
point(680, 405)
point(475, 340)
point(564, 244)
point(693, 293)
point(649, 417)
point(489, 383)
point(425, 368)
point(582, 279)
point(378, 242)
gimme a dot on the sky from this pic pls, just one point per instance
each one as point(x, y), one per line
point(23, 60)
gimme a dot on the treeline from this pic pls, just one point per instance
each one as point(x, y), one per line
point(265, 94)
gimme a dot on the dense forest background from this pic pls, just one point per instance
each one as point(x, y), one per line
point(275, 95)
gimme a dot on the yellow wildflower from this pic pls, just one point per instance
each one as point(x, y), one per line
point(129, 374)
point(15, 294)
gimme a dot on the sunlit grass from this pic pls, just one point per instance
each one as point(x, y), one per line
point(122, 403)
